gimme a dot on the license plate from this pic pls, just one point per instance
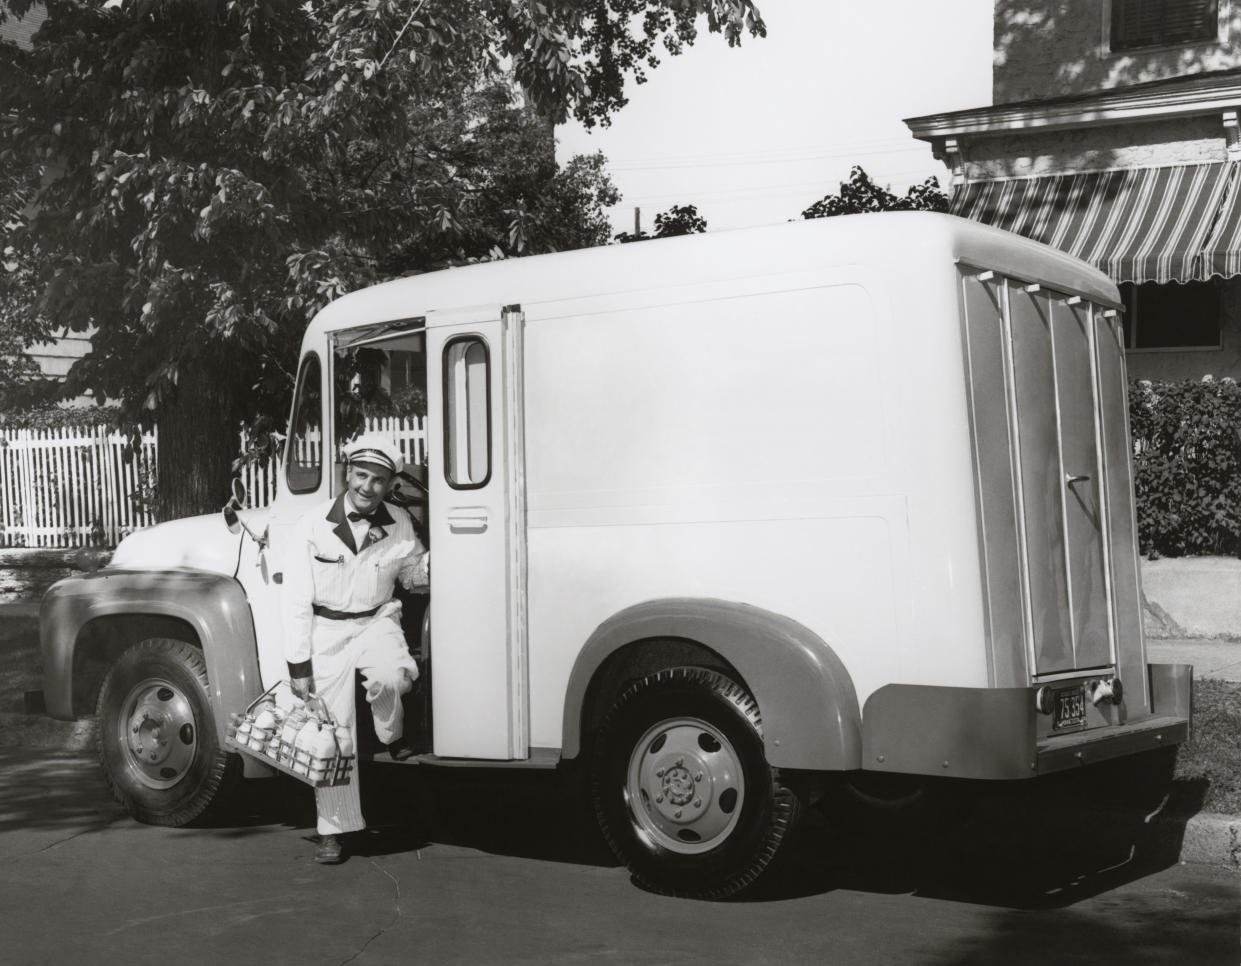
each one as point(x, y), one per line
point(1070, 708)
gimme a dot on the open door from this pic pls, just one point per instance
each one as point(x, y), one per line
point(478, 534)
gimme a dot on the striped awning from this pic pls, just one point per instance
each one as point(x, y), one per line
point(1174, 223)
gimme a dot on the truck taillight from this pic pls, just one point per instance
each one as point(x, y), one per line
point(1044, 700)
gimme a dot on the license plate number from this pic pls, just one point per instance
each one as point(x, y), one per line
point(1070, 708)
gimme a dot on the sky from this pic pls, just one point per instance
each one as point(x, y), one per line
point(753, 135)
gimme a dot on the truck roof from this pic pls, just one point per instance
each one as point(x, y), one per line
point(882, 240)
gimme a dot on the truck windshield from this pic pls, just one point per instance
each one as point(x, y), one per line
point(304, 452)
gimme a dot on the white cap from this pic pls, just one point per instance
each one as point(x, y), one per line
point(376, 449)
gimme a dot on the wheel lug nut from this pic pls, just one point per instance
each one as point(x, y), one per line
point(659, 798)
point(659, 773)
point(698, 776)
point(680, 762)
point(697, 803)
point(677, 813)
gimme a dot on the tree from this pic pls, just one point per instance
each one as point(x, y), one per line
point(205, 174)
point(860, 194)
point(677, 220)
point(21, 324)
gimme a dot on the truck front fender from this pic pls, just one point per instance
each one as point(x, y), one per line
point(214, 606)
point(806, 697)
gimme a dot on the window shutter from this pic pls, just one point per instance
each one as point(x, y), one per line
point(1150, 23)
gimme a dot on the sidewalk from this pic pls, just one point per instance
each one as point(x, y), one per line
point(1210, 658)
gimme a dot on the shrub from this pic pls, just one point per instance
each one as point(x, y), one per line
point(1187, 466)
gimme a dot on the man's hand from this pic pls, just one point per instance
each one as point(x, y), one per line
point(302, 687)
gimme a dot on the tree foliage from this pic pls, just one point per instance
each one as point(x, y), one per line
point(21, 323)
point(860, 194)
point(677, 220)
point(1187, 466)
point(198, 177)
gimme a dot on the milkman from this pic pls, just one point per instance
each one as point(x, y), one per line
point(339, 616)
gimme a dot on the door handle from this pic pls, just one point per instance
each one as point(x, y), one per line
point(468, 520)
point(1070, 479)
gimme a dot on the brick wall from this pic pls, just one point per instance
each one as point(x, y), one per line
point(1057, 47)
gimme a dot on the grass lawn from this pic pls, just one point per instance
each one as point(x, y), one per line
point(1214, 751)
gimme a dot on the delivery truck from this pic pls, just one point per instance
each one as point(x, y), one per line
point(726, 522)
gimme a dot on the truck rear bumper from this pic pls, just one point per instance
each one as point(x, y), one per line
point(992, 733)
point(1099, 744)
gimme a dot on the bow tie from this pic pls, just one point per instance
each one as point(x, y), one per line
point(354, 516)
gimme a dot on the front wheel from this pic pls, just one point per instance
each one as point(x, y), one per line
point(682, 789)
point(157, 739)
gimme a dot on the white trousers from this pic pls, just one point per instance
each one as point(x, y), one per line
point(375, 646)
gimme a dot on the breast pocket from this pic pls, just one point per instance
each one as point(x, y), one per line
point(386, 570)
point(327, 571)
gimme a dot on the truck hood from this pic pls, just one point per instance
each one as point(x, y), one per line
point(203, 543)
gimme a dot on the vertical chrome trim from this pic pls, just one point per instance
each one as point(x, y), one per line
point(1019, 493)
point(1066, 535)
point(1103, 487)
point(971, 402)
point(512, 327)
point(1133, 507)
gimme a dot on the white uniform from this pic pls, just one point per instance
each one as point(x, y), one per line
point(325, 579)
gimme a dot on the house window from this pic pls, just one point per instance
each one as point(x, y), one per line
point(1162, 23)
point(1172, 316)
point(467, 413)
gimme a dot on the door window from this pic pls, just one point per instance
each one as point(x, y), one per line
point(467, 413)
point(381, 387)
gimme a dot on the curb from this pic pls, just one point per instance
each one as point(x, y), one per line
point(1212, 839)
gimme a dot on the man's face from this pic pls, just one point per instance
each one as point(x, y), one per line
point(368, 485)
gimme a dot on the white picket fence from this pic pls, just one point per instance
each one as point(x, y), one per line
point(74, 487)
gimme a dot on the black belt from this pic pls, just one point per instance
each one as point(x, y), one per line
point(343, 615)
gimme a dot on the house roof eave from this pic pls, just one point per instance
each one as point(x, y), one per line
point(1201, 94)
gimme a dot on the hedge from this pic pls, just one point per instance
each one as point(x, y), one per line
point(1187, 466)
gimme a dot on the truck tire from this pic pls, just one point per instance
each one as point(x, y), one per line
point(158, 745)
point(681, 787)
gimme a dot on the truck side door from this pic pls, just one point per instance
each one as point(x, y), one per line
point(477, 526)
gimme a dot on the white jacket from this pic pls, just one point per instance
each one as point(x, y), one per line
point(322, 567)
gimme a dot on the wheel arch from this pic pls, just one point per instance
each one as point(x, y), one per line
point(805, 695)
point(96, 616)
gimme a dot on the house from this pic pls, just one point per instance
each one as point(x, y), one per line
point(1114, 134)
point(55, 358)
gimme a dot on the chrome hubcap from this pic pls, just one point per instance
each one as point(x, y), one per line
point(684, 786)
point(157, 729)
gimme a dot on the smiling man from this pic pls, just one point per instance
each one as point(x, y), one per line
point(344, 560)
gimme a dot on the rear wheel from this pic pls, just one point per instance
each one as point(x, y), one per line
point(157, 739)
point(682, 789)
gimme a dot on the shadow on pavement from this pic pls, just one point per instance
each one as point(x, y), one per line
point(1045, 844)
point(538, 815)
point(53, 791)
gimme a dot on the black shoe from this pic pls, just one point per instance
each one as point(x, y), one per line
point(400, 750)
point(331, 850)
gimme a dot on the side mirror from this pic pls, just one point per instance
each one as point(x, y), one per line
point(234, 522)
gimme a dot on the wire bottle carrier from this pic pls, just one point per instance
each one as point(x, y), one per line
point(287, 734)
